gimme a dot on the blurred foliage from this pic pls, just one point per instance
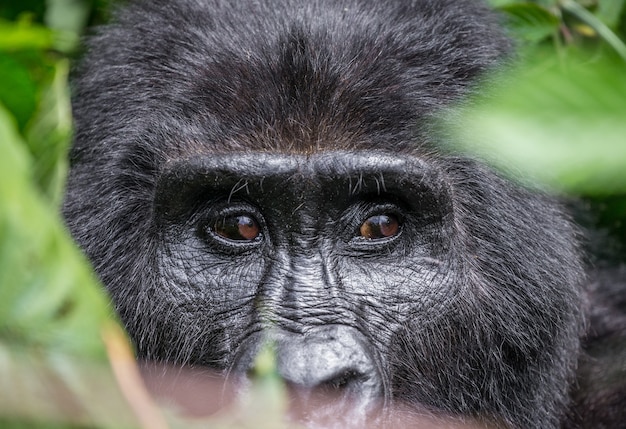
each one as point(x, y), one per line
point(562, 125)
point(557, 114)
point(589, 24)
point(53, 312)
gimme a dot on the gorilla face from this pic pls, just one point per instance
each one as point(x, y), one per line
point(337, 249)
point(255, 172)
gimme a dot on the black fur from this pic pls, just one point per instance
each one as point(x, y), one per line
point(493, 332)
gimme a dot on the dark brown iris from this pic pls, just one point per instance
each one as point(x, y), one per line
point(379, 227)
point(238, 228)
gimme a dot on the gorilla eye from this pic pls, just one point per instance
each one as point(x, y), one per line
point(379, 227)
point(238, 228)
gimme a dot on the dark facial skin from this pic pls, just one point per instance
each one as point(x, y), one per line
point(266, 173)
point(294, 266)
point(309, 266)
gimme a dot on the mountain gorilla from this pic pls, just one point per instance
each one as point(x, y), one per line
point(265, 171)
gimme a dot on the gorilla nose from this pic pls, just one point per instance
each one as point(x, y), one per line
point(331, 376)
point(332, 379)
point(329, 363)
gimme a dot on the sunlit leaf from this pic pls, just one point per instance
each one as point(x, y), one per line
point(14, 36)
point(53, 313)
point(48, 296)
point(564, 127)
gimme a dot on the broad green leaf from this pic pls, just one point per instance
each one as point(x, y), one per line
point(48, 295)
point(53, 313)
point(24, 35)
point(500, 3)
point(566, 128)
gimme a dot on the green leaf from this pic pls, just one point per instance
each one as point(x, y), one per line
point(24, 35)
point(563, 127)
point(49, 296)
point(53, 312)
point(18, 91)
point(49, 134)
point(590, 19)
point(530, 21)
point(501, 3)
point(609, 11)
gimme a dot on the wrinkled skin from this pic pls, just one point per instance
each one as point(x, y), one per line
point(245, 173)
